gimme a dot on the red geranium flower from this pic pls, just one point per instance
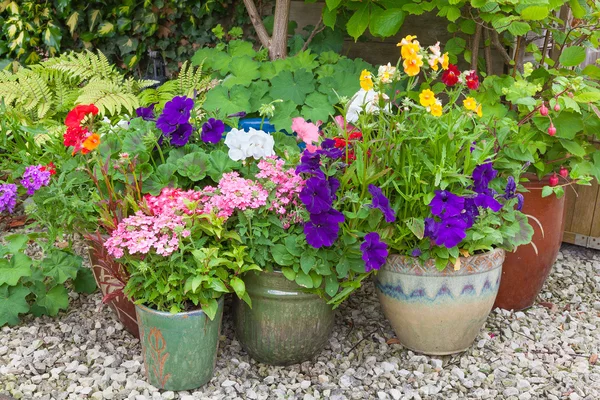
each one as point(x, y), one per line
point(78, 113)
point(450, 76)
point(50, 168)
point(472, 80)
point(339, 142)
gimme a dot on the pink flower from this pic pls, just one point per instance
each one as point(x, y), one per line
point(307, 132)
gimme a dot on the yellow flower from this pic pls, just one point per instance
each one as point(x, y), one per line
point(478, 111)
point(412, 66)
point(366, 82)
point(410, 50)
point(445, 61)
point(435, 57)
point(408, 39)
point(470, 103)
point(427, 98)
point(436, 109)
point(386, 73)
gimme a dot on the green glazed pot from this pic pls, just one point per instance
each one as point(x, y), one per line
point(180, 350)
point(285, 325)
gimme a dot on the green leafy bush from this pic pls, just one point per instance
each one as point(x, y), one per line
point(307, 84)
point(38, 286)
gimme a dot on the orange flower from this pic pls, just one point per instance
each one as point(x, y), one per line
point(412, 66)
point(445, 61)
point(90, 143)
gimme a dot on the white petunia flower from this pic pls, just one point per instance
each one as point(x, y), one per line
point(364, 100)
point(253, 143)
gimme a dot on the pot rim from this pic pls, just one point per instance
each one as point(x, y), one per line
point(177, 315)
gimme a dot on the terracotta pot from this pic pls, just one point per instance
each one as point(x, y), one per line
point(111, 278)
point(438, 312)
point(180, 350)
point(525, 271)
point(285, 324)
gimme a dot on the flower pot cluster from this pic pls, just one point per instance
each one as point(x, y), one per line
point(413, 183)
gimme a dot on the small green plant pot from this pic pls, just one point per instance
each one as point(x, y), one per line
point(180, 350)
point(285, 325)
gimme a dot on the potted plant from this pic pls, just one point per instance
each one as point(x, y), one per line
point(420, 200)
point(181, 260)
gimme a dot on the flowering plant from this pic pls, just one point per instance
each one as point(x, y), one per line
point(415, 178)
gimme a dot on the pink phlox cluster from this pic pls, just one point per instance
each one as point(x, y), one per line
point(234, 193)
point(287, 187)
point(173, 200)
point(141, 233)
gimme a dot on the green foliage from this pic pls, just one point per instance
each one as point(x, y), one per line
point(37, 285)
point(306, 82)
point(124, 30)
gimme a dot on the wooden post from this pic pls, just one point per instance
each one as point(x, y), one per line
point(277, 44)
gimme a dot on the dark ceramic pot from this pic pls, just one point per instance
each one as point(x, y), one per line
point(438, 312)
point(285, 324)
point(180, 350)
point(526, 270)
point(111, 278)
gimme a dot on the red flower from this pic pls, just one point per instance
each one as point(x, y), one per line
point(50, 168)
point(355, 136)
point(74, 136)
point(472, 80)
point(339, 142)
point(77, 114)
point(450, 76)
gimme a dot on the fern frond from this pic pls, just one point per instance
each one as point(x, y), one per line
point(110, 98)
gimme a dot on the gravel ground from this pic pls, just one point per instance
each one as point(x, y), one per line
point(546, 352)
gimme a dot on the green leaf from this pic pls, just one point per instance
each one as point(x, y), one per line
point(13, 301)
point(577, 9)
point(85, 282)
point(547, 191)
point(61, 266)
point(331, 285)
point(193, 165)
point(218, 286)
point(219, 164)
point(54, 300)
point(238, 286)
point(289, 273)
point(455, 45)
point(329, 17)
point(282, 256)
point(12, 271)
point(519, 28)
point(416, 226)
point(240, 48)
point(294, 87)
point(357, 24)
point(106, 28)
point(225, 101)
point(212, 59)
point(535, 13)
point(127, 44)
point(15, 244)
point(307, 262)
point(318, 107)
point(592, 71)
point(210, 308)
point(133, 143)
point(160, 179)
point(573, 148)
point(468, 26)
point(284, 112)
point(332, 4)
point(572, 56)
point(386, 23)
point(587, 97)
point(568, 124)
point(304, 280)
point(243, 70)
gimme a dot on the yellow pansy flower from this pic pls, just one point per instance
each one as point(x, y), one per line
point(427, 98)
point(412, 66)
point(470, 103)
point(436, 109)
point(445, 61)
point(366, 82)
point(479, 111)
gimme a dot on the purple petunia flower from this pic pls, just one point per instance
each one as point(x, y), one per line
point(334, 185)
point(177, 111)
point(316, 195)
point(165, 125)
point(212, 131)
point(511, 187)
point(382, 203)
point(484, 200)
point(430, 228)
point(34, 178)
point(416, 252)
point(450, 231)
point(146, 113)
point(8, 197)
point(310, 163)
point(483, 174)
point(374, 251)
point(471, 212)
point(181, 135)
point(323, 228)
point(446, 204)
point(328, 149)
point(520, 201)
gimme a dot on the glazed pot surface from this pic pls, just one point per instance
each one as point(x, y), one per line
point(435, 312)
point(285, 325)
point(525, 271)
point(180, 350)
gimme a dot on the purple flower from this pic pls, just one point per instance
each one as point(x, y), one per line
point(334, 185)
point(165, 125)
point(520, 201)
point(416, 252)
point(382, 203)
point(471, 212)
point(430, 228)
point(323, 228)
point(181, 135)
point(374, 251)
point(316, 195)
point(34, 178)
point(177, 111)
point(146, 113)
point(446, 204)
point(328, 144)
point(329, 150)
point(472, 148)
point(212, 131)
point(310, 163)
point(450, 231)
point(511, 188)
point(8, 197)
point(484, 200)
point(483, 174)
point(240, 114)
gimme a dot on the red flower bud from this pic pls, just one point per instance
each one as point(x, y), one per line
point(564, 172)
point(551, 130)
point(543, 110)
point(554, 180)
point(556, 107)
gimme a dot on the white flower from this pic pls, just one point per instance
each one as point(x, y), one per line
point(253, 143)
point(364, 100)
point(386, 73)
point(123, 124)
